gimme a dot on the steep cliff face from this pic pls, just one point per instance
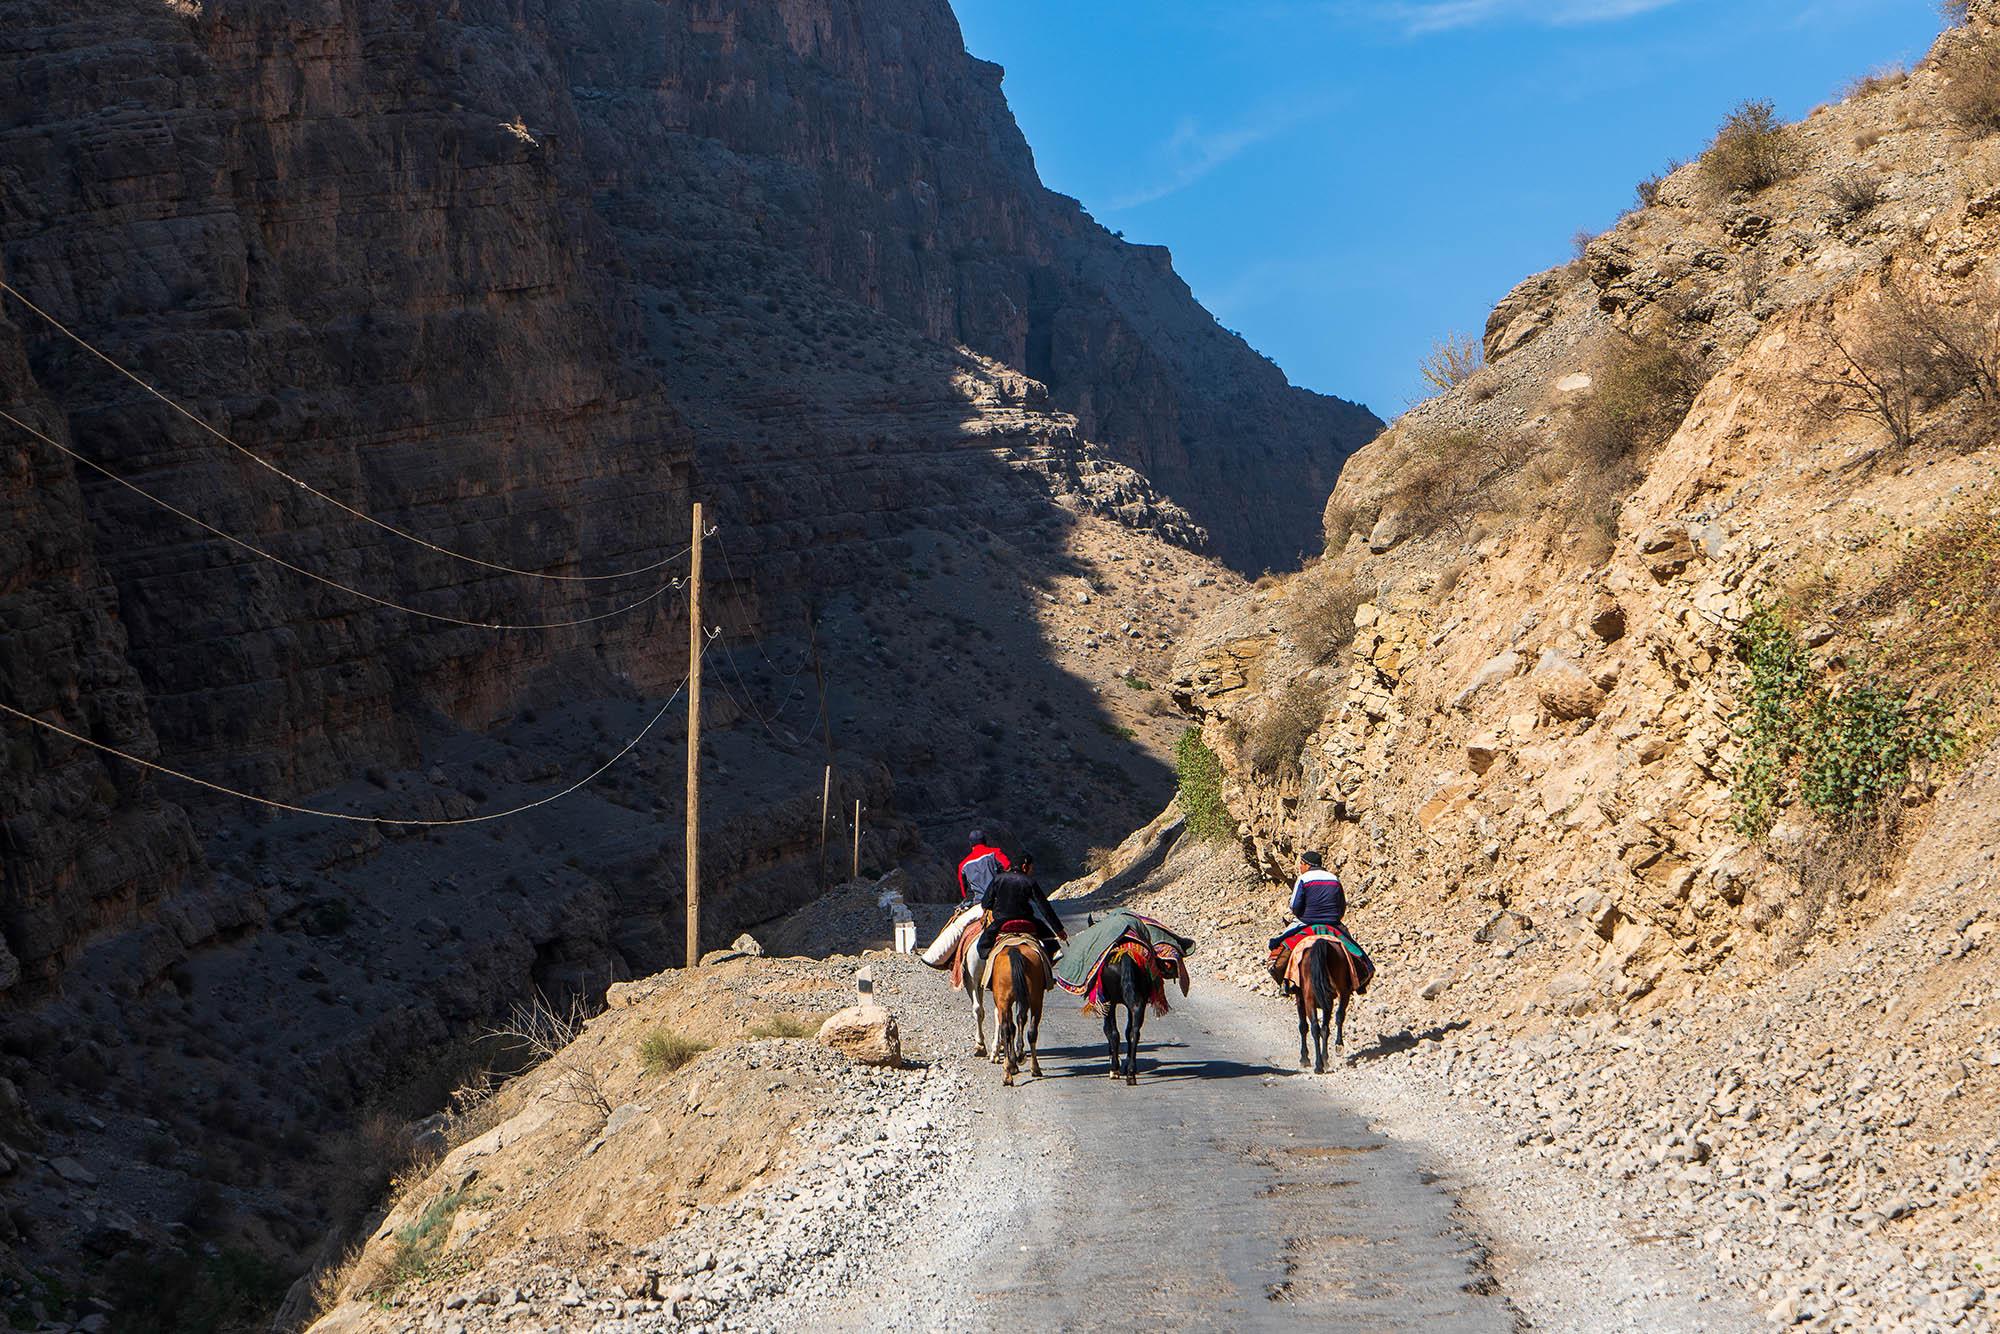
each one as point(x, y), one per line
point(508, 278)
point(857, 150)
point(523, 279)
point(1527, 700)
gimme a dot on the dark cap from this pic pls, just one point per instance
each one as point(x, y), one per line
point(976, 837)
point(1312, 859)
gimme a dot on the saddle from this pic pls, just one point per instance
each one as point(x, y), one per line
point(1001, 943)
point(968, 936)
point(1288, 957)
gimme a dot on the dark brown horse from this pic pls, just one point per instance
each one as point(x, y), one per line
point(1323, 987)
point(1128, 979)
point(1020, 978)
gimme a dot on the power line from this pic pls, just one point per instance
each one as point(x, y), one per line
point(348, 815)
point(300, 482)
point(256, 550)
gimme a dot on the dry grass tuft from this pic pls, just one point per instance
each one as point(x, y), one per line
point(663, 1051)
point(784, 1026)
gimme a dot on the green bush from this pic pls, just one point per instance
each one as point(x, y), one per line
point(784, 1026)
point(1841, 746)
point(1752, 150)
point(1200, 775)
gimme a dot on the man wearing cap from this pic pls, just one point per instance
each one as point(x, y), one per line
point(1317, 898)
point(977, 868)
point(976, 871)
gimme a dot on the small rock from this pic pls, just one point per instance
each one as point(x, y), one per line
point(70, 1170)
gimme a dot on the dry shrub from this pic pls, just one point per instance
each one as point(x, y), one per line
point(1868, 138)
point(1913, 353)
point(1948, 591)
point(1320, 614)
point(1854, 192)
point(1752, 150)
point(1275, 741)
point(540, 1033)
point(1453, 360)
point(1834, 867)
point(1972, 85)
point(1878, 81)
point(1339, 522)
point(1638, 398)
point(784, 1026)
point(1954, 12)
point(1647, 193)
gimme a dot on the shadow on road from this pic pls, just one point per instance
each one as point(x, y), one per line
point(1091, 1060)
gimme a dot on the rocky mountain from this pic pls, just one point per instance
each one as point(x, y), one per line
point(1644, 695)
point(521, 282)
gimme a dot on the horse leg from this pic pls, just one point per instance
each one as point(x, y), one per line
point(1111, 1032)
point(1034, 1033)
point(1003, 1010)
point(1320, 1013)
point(979, 1018)
point(1135, 1020)
point(1340, 1024)
point(1305, 1057)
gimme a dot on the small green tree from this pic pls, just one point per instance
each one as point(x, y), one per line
point(1200, 775)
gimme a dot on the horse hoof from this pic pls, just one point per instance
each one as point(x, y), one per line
point(1132, 1081)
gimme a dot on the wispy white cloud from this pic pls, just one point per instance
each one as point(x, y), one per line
point(1422, 17)
point(1192, 152)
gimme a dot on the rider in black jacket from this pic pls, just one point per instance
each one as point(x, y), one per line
point(1015, 896)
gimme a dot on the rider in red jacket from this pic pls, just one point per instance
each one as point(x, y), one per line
point(977, 868)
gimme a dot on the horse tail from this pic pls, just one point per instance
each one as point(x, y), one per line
point(1322, 974)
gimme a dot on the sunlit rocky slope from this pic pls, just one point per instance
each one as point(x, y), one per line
point(1644, 695)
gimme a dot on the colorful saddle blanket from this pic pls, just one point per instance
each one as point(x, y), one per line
point(1081, 968)
point(1030, 943)
point(1287, 957)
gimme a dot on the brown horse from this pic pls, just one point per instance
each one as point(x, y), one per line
point(1020, 977)
point(1322, 988)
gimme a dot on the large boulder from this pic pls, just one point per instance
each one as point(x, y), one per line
point(866, 1033)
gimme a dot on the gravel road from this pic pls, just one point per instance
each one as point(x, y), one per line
point(1227, 1190)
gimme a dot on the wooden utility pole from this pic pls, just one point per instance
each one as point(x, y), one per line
point(857, 838)
point(825, 809)
point(696, 641)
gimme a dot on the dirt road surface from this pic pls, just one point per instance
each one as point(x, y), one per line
point(1226, 1190)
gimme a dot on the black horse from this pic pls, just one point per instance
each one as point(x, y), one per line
point(1126, 980)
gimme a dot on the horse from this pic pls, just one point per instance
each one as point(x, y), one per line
point(1020, 977)
point(1126, 979)
point(1322, 988)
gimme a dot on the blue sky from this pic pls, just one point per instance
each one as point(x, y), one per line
point(1342, 181)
